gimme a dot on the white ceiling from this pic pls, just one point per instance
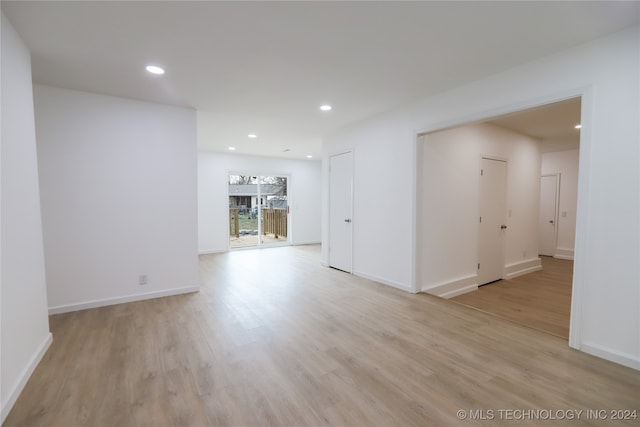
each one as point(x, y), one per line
point(266, 67)
point(553, 123)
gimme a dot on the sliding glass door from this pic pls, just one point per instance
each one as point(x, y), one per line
point(258, 210)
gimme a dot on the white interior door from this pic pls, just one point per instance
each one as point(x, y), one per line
point(340, 210)
point(548, 220)
point(492, 223)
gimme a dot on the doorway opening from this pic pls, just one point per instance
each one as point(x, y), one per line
point(536, 142)
point(258, 210)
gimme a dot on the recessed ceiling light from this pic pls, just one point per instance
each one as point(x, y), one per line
point(252, 135)
point(232, 148)
point(154, 69)
point(309, 156)
point(325, 107)
point(578, 126)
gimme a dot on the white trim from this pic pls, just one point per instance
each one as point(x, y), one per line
point(491, 157)
point(416, 212)
point(310, 242)
point(121, 300)
point(452, 288)
point(460, 291)
point(521, 268)
point(562, 253)
point(212, 251)
point(485, 115)
point(614, 356)
point(582, 217)
point(340, 151)
point(24, 377)
point(393, 284)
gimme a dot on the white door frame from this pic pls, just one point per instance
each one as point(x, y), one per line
point(579, 269)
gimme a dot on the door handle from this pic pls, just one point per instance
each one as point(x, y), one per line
point(347, 220)
point(503, 227)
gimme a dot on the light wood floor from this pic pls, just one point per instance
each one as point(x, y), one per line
point(540, 300)
point(275, 339)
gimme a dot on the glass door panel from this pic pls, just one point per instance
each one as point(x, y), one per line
point(243, 211)
point(274, 207)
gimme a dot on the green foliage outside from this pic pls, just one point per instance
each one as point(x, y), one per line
point(246, 223)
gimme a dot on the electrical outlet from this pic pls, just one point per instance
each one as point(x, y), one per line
point(143, 280)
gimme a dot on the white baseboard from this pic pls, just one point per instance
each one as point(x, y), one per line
point(521, 268)
point(311, 242)
point(212, 251)
point(452, 288)
point(613, 356)
point(121, 300)
point(384, 281)
point(13, 395)
point(562, 253)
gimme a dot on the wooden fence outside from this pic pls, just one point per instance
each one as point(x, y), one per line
point(275, 222)
point(234, 222)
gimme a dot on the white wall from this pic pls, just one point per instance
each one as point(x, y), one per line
point(383, 180)
point(606, 306)
point(24, 324)
point(566, 164)
point(118, 189)
point(449, 203)
point(213, 201)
